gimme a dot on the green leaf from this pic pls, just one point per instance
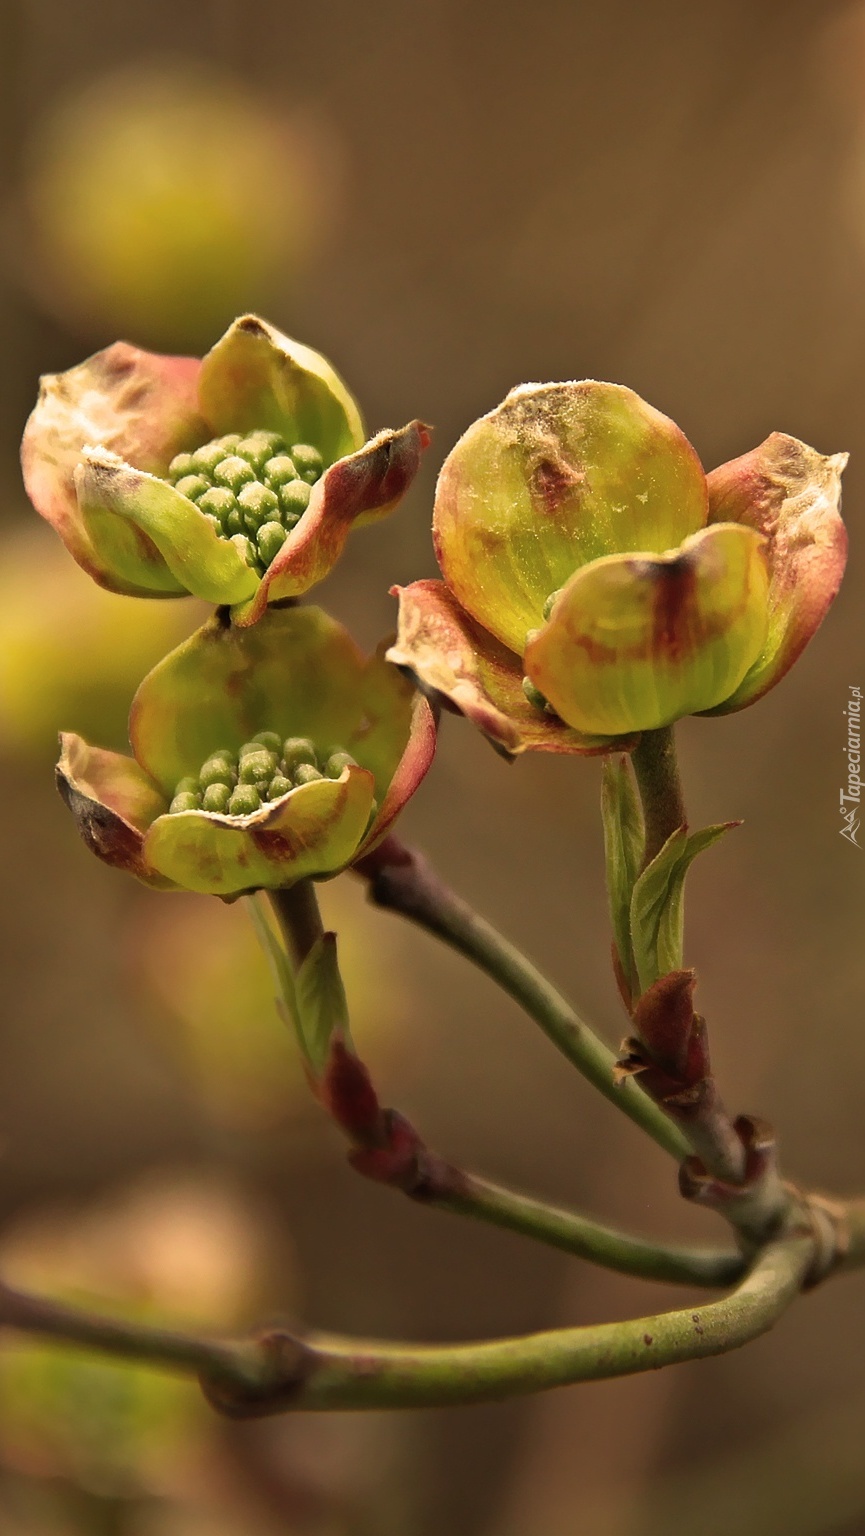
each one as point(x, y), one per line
point(657, 903)
point(278, 962)
point(624, 844)
point(321, 1004)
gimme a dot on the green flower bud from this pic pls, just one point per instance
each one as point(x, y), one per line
point(101, 429)
point(216, 798)
point(297, 666)
point(336, 762)
point(279, 470)
point(258, 505)
point(233, 472)
point(192, 486)
point(214, 523)
point(234, 520)
point(205, 460)
point(297, 750)
point(294, 498)
point(548, 605)
point(258, 447)
point(219, 503)
point(257, 767)
point(270, 540)
point(218, 769)
point(180, 465)
point(270, 740)
point(308, 460)
point(185, 803)
point(244, 800)
point(305, 773)
point(243, 546)
point(279, 786)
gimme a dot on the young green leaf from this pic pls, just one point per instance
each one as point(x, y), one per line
point(657, 904)
point(624, 844)
point(322, 1009)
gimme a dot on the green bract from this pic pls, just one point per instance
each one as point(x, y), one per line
point(317, 747)
point(236, 478)
point(597, 583)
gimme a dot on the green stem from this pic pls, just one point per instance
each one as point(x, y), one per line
point(657, 773)
point(401, 880)
point(280, 1371)
point(468, 1195)
point(334, 1373)
point(299, 919)
point(710, 1129)
point(128, 1340)
point(436, 1182)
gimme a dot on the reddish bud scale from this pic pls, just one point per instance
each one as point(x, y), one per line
point(346, 1091)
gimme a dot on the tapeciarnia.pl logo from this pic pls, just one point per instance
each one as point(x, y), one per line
point(851, 796)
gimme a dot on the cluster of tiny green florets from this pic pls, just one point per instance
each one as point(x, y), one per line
point(253, 489)
point(265, 768)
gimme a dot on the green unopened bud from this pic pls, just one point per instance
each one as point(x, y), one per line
point(219, 503)
point(258, 447)
point(305, 773)
point(234, 519)
point(297, 750)
point(185, 802)
point(216, 798)
point(294, 498)
point(258, 505)
point(218, 769)
point(279, 470)
point(192, 486)
point(278, 786)
point(548, 605)
point(205, 460)
point(308, 460)
point(229, 442)
point(257, 767)
point(234, 473)
point(270, 540)
point(244, 800)
point(533, 694)
point(270, 740)
point(244, 548)
point(180, 465)
point(188, 786)
point(336, 762)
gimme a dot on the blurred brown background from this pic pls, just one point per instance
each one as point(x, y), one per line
point(446, 199)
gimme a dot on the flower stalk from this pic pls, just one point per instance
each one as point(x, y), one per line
point(656, 771)
point(401, 880)
point(389, 1150)
point(280, 1371)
